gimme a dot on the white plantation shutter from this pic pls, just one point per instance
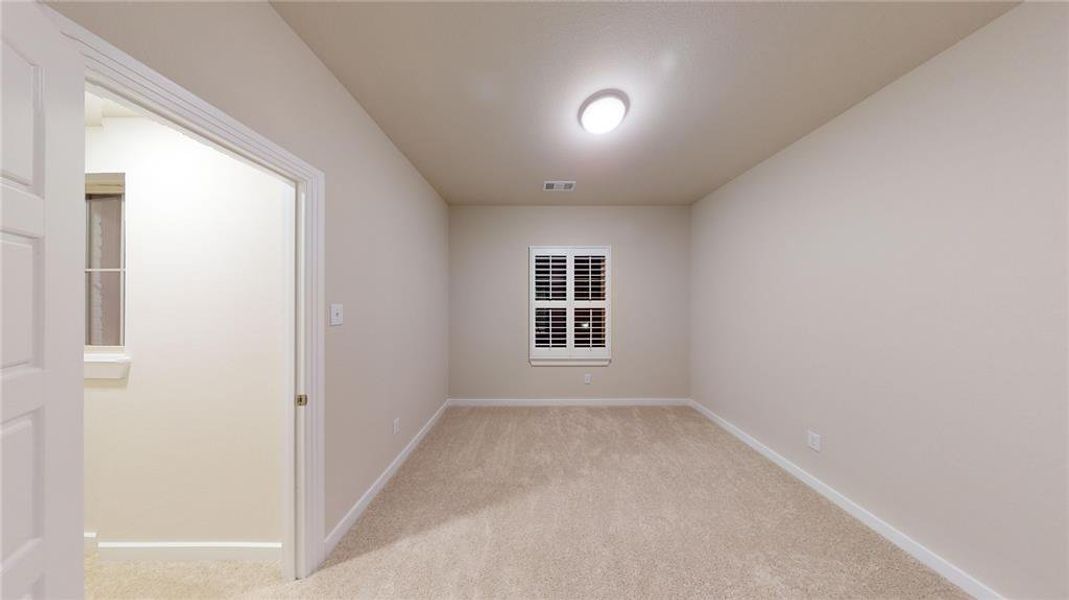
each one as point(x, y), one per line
point(590, 276)
point(551, 328)
point(551, 273)
point(570, 289)
point(590, 328)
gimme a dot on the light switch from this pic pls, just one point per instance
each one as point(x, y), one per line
point(337, 314)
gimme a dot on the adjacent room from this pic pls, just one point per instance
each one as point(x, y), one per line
point(535, 300)
point(189, 347)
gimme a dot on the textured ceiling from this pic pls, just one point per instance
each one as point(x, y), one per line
point(483, 98)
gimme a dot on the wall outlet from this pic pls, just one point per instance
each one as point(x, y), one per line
point(337, 314)
point(586, 378)
point(397, 425)
point(813, 441)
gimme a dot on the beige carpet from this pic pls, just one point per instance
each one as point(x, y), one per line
point(176, 580)
point(585, 503)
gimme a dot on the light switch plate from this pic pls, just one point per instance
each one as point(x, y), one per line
point(337, 314)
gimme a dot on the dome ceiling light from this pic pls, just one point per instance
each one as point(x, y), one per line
point(603, 112)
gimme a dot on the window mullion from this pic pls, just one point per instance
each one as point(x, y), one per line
point(570, 315)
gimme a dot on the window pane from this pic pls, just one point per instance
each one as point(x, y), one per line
point(551, 276)
point(590, 328)
point(550, 328)
point(589, 277)
point(103, 232)
point(103, 308)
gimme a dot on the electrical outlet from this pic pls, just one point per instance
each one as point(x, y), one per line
point(586, 378)
point(813, 441)
point(397, 425)
point(337, 314)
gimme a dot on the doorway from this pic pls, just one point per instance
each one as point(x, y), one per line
point(113, 73)
point(190, 352)
point(44, 299)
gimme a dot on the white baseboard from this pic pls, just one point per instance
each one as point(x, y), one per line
point(249, 551)
point(952, 573)
point(354, 513)
point(90, 538)
point(569, 402)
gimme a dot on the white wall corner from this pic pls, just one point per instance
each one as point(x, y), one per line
point(951, 572)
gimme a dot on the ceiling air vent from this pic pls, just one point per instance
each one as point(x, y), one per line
point(558, 186)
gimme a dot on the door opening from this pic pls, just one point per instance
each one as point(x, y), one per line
point(190, 356)
point(48, 62)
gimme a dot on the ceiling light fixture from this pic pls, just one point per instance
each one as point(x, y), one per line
point(603, 112)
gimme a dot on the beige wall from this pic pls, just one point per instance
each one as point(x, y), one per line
point(189, 446)
point(488, 300)
point(896, 281)
point(387, 229)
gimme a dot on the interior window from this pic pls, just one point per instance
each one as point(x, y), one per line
point(105, 261)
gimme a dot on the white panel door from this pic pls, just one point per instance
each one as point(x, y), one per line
point(42, 237)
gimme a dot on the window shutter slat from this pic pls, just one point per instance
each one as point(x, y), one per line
point(551, 327)
point(551, 277)
point(589, 327)
point(589, 277)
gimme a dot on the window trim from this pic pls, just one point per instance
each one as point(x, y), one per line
point(105, 362)
point(569, 355)
point(109, 362)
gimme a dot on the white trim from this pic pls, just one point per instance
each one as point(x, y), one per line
point(258, 551)
point(304, 495)
point(569, 354)
point(951, 572)
point(90, 540)
point(569, 402)
point(357, 509)
point(569, 362)
point(105, 365)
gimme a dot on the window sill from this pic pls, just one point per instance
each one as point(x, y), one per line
point(570, 362)
point(106, 365)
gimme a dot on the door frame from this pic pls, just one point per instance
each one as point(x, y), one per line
point(110, 69)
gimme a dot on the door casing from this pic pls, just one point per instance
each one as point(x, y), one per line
point(110, 71)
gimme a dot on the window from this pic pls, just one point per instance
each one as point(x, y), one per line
point(569, 321)
point(105, 261)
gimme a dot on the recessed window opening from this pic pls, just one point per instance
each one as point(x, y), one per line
point(570, 322)
point(105, 259)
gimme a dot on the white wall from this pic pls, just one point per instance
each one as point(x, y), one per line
point(896, 281)
point(189, 446)
point(387, 229)
point(488, 300)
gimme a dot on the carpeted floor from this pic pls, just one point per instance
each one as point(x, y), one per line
point(176, 580)
point(643, 502)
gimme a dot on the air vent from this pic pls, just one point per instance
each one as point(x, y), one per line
point(558, 186)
